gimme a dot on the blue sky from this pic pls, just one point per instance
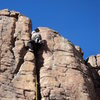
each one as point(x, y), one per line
point(76, 20)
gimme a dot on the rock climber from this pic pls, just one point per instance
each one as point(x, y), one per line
point(35, 41)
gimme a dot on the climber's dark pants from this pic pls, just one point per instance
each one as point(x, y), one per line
point(34, 46)
point(31, 45)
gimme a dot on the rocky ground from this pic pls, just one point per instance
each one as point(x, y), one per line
point(57, 71)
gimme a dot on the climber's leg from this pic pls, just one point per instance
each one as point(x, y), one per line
point(38, 46)
point(31, 45)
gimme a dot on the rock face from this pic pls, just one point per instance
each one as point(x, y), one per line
point(63, 73)
point(17, 65)
point(56, 71)
point(93, 63)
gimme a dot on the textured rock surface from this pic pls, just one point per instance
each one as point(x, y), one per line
point(56, 71)
point(63, 74)
point(93, 63)
point(79, 50)
point(17, 65)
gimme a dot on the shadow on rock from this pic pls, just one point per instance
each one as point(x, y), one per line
point(39, 61)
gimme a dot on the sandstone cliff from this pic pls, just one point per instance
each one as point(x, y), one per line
point(56, 71)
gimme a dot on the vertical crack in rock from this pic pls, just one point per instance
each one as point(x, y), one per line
point(38, 94)
point(21, 61)
point(13, 40)
point(18, 49)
